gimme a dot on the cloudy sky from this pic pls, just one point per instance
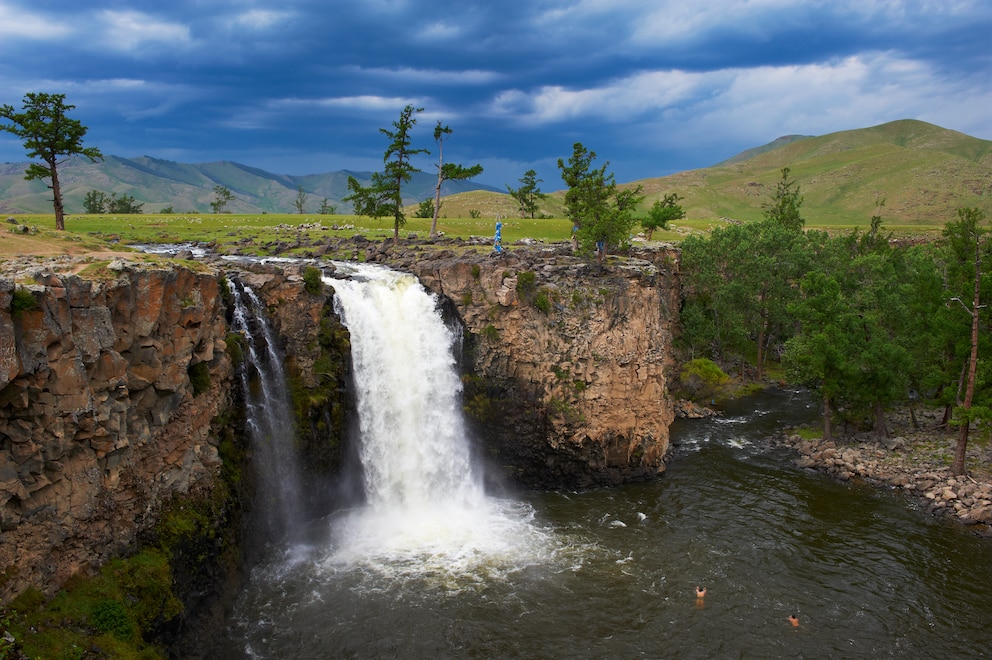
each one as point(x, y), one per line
point(652, 86)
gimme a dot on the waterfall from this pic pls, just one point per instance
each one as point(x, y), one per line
point(425, 503)
point(270, 421)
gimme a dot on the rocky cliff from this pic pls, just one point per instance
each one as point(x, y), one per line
point(113, 380)
point(109, 382)
point(567, 363)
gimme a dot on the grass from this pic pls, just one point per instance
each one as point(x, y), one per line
point(246, 233)
point(106, 235)
point(108, 610)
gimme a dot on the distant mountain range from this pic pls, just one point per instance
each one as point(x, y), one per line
point(190, 188)
point(921, 171)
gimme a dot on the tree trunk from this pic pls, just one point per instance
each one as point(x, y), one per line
point(827, 422)
point(437, 189)
point(880, 430)
point(962, 448)
point(57, 198)
point(761, 349)
point(945, 421)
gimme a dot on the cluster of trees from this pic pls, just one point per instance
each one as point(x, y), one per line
point(384, 194)
point(865, 323)
point(604, 215)
point(99, 202)
point(300, 203)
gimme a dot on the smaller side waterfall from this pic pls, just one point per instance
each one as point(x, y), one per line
point(270, 421)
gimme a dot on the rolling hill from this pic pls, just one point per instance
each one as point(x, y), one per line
point(921, 171)
point(190, 188)
point(924, 173)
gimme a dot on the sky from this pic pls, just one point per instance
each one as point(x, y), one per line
point(653, 87)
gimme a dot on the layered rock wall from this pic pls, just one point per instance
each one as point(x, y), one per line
point(100, 423)
point(112, 383)
point(568, 362)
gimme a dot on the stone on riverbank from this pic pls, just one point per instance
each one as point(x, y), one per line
point(918, 465)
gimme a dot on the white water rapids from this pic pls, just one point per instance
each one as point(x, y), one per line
point(426, 510)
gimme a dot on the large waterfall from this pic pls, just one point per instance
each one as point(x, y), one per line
point(426, 505)
point(269, 413)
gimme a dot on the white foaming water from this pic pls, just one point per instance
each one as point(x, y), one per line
point(426, 509)
point(269, 418)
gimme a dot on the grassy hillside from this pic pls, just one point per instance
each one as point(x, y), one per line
point(923, 172)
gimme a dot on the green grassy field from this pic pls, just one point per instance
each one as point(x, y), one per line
point(246, 233)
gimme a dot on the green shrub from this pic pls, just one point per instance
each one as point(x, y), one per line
point(225, 291)
point(22, 301)
point(199, 378)
point(110, 616)
point(312, 280)
point(235, 348)
point(702, 377)
point(526, 282)
point(542, 302)
point(491, 332)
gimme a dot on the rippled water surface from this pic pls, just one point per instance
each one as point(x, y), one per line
point(612, 572)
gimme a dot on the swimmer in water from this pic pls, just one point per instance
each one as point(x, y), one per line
point(794, 620)
point(700, 592)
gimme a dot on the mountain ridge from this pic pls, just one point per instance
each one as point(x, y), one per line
point(189, 188)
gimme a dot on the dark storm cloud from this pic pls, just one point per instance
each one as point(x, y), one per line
point(653, 87)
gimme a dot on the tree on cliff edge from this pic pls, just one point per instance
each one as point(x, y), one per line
point(447, 172)
point(50, 135)
point(601, 214)
point(384, 195)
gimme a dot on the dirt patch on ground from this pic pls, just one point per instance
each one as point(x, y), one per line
point(60, 252)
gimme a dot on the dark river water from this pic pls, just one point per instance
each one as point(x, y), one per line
point(612, 572)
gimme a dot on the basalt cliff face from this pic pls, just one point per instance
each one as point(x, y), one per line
point(568, 363)
point(116, 383)
point(100, 421)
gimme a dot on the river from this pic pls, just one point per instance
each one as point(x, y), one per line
point(612, 572)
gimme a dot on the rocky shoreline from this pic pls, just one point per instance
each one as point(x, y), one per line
point(915, 462)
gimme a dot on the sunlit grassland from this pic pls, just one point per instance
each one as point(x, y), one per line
point(230, 229)
point(249, 234)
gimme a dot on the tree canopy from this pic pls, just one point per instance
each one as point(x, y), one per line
point(866, 323)
point(662, 212)
point(784, 205)
point(601, 213)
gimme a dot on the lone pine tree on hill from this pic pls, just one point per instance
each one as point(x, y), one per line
point(50, 135)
